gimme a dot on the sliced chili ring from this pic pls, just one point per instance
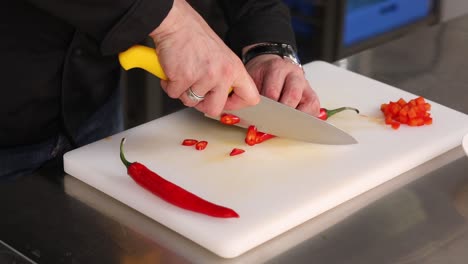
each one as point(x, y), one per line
point(189, 142)
point(229, 119)
point(263, 137)
point(236, 151)
point(201, 145)
point(251, 136)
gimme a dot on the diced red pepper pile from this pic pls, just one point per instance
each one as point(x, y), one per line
point(415, 112)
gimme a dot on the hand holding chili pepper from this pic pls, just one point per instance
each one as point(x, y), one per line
point(284, 82)
point(170, 192)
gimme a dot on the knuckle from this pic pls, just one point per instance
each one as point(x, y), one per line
point(187, 77)
point(213, 111)
point(227, 69)
point(273, 93)
point(277, 63)
point(295, 95)
point(210, 73)
point(187, 102)
point(172, 93)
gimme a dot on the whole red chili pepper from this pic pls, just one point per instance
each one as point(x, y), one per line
point(170, 192)
point(326, 113)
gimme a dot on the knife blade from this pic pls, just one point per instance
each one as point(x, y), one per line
point(281, 120)
point(268, 116)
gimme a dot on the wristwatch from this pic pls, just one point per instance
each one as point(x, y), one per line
point(285, 51)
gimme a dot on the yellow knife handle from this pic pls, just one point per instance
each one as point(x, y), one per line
point(143, 57)
point(139, 56)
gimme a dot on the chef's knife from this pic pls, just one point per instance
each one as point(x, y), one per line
point(268, 116)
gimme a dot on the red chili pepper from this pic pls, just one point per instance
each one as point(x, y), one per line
point(236, 151)
point(229, 119)
point(325, 113)
point(189, 142)
point(172, 193)
point(415, 112)
point(201, 145)
point(251, 136)
point(262, 137)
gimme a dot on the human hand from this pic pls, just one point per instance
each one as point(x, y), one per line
point(283, 81)
point(193, 56)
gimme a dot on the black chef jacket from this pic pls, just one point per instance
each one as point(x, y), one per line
point(59, 57)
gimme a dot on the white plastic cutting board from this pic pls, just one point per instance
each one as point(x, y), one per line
point(276, 185)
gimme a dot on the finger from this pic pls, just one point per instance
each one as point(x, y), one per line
point(273, 84)
point(214, 101)
point(187, 101)
point(234, 102)
point(310, 103)
point(175, 89)
point(164, 85)
point(245, 88)
point(292, 90)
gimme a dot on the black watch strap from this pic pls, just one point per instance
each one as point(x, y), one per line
point(282, 50)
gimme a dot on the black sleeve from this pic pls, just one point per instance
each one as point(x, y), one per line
point(254, 21)
point(116, 24)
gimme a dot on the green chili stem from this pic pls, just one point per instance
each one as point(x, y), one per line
point(337, 110)
point(122, 156)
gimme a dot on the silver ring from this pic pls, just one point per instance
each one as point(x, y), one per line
point(193, 96)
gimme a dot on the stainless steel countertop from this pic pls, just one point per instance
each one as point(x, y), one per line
point(418, 217)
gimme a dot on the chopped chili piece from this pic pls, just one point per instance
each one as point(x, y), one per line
point(171, 192)
point(254, 137)
point(326, 113)
point(428, 121)
point(236, 151)
point(189, 142)
point(229, 119)
point(251, 136)
point(401, 102)
point(262, 137)
point(420, 100)
point(395, 125)
point(201, 145)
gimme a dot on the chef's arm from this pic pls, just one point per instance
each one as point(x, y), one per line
point(116, 24)
point(257, 21)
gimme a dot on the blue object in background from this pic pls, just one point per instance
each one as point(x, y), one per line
point(365, 19)
point(300, 11)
